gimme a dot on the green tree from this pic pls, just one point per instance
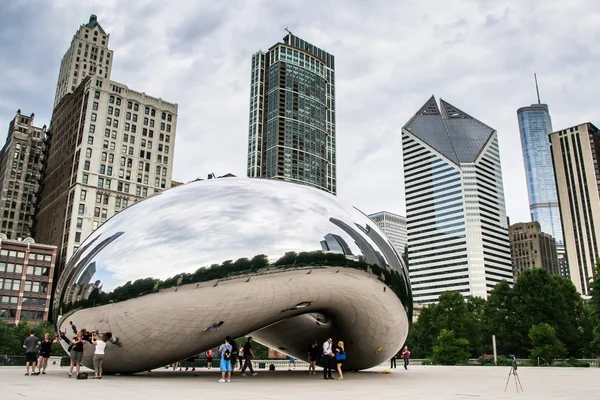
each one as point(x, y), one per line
point(450, 350)
point(545, 344)
point(539, 297)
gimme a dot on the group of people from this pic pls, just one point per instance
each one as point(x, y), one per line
point(229, 352)
point(75, 348)
point(405, 355)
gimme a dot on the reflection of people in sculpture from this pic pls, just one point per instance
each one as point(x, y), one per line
point(313, 354)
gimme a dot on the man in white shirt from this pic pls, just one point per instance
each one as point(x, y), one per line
point(327, 358)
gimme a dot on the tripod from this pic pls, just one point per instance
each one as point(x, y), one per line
point(513, 372)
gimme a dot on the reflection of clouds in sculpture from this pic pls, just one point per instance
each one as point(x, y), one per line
point(208, 222)
point(326, 251)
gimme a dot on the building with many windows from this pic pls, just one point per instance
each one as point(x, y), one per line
point(394, 226)
point(88, 55)
point(576, 155)
point(292, 115)
point(531, 248)
point(534, 126)
point(22, 162)
point(455, 211)
point(26, 276)
point(111, 147)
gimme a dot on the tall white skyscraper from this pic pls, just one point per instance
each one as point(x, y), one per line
point(456, 217)
point(110, 146)
point(394, 226)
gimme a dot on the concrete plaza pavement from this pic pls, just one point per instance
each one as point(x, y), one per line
point(419, 382)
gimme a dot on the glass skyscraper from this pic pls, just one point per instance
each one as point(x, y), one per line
point(535, 125)
point(292, 115)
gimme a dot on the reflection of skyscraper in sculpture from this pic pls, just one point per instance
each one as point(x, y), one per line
point(370, 256)
point(335, 244)
point(457, 225)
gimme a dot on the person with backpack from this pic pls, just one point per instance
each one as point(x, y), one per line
point(340, 357)
point(225, 350)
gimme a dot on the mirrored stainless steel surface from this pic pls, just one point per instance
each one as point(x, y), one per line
point(172, 275)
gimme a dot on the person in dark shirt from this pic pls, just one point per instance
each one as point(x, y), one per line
point(76, 353)
point(313, 356)
point(248, 356)
point(30, 345)
point(45, 350)
point(73, 328)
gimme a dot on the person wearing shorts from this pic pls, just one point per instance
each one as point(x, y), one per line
point(225, 350)
point(76, 353)
point(30, 345)
point(209, 358)
point(45, 350)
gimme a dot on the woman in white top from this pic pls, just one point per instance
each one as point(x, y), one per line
point(100, 344)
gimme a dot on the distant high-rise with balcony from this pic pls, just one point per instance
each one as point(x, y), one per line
point(111, 146)
point(456, 216)
point(292, 115)
point(535, 125)
point(394, 226)
point(22, 162)
point(576, 158)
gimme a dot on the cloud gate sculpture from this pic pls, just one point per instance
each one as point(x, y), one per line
point(174, 274)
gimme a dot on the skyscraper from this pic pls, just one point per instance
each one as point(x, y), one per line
point(87, 55)
point(394, 226)
point(535, 125)
point(21, 169)
point(111, 146)
point(456, 217)
point(292, 115)
point(532, 248)
point(576, 156)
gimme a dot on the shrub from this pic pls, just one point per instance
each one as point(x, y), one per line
point(488, 360)
point(545, 343)
point(426, 361)
point(561, 364)
point(450, 350)
point(576, 363)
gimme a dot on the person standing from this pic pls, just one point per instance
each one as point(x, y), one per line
point(327, 358)
point(292, 363)
point(248, 356)
point(225, 350)
point(241, 355)
point(406, 357)
point(100, 343)
point(340, 357)
point(73, 328)
point(76, 353)
point(30, 345)
point(235, 351)
point(393, 361)
point(45, 350)
point(313, 354)
point(209, 358)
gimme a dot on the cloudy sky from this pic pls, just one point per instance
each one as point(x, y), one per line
point(390, 57)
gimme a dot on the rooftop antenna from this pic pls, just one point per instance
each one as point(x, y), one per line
point(537, 89)
point(288, 31)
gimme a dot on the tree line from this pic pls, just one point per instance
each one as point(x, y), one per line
point(540, 316)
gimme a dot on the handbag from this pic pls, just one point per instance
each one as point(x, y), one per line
point(340, 356)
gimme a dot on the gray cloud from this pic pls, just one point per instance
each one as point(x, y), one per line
point(390, 58)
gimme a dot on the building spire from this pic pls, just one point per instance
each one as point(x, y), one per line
point(537, 89)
